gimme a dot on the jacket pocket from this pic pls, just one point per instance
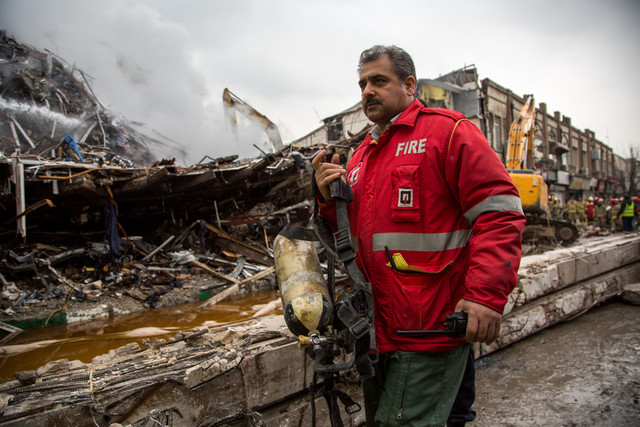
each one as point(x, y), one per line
point(420, 296)
point(405, 198)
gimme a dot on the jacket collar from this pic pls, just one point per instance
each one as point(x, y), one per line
point(406, 117)
point(410, 114)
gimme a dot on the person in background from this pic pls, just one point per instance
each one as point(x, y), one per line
point(555, 208)
point(572, 210)
point(615, 221)
point(438, 225)
point(601, 214)
point(591, 210)
point(582, 211)
point(627, 212)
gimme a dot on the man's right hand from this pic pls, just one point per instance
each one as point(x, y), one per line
point(326, 172)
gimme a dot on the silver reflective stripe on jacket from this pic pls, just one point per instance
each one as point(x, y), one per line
point(421, 242)
point(499, 203)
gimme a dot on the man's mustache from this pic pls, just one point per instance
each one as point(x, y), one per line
point(370, 100)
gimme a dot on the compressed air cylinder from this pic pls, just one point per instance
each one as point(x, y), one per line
point(306, 303)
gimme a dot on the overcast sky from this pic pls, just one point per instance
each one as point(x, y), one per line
point(166, 62)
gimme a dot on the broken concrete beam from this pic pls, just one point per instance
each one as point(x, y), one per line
point(631, 293)
point(560, 306)
point(199, 379)
point(539, 275)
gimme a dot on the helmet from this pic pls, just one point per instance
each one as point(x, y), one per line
point(613, 201)
point(590, 198)
point(636, 199)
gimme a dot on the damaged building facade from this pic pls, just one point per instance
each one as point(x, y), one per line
point(572, 161)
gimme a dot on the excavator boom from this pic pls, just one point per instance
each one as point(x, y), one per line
point(233, 103)
point(531, 185)
point(521, 135)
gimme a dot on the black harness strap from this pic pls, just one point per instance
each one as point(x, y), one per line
point(327, 388)
point(362, 329)
point(349, 307)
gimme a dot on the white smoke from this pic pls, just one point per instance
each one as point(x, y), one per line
point(166, 62)
point(141, 65)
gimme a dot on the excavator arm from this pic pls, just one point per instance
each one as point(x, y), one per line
point(233, 103)
point(521, 136)
point(531, 186)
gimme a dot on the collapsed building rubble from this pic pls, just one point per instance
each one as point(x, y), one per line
point(48, 109)
point(87, 212)
point(253, 373)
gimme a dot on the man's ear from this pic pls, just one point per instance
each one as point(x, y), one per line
point(409, 85)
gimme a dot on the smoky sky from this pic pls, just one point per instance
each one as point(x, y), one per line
point(165, 63)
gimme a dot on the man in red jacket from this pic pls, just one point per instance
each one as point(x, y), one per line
point(438, 226)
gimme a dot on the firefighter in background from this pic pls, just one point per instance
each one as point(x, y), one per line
point(556, 208)
point(591, 210)
point(572, 210)
point(582, 211)
point(627, 212)
point(615, 221)
point(601, 213)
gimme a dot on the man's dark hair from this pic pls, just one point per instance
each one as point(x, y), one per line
point(401, 60)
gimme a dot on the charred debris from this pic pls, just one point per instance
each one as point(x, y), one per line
point(86, 210)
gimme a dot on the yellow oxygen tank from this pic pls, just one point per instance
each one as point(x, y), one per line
point(306, 302)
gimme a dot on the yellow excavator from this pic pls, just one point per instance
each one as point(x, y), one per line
point(531, 186)
point(233, 103)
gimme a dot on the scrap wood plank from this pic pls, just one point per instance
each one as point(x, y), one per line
point(28, 210)
point(235, 287)
point(251, 252)
point(142, 182)
point(23, 132)
point(215, 272)
point(189, 182)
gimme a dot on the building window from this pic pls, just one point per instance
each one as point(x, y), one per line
point(497, 134)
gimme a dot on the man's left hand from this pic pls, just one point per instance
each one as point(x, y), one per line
point(483, 324)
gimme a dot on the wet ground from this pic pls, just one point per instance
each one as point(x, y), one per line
point(585, 372)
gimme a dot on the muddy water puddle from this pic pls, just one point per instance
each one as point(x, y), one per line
point(83, 341)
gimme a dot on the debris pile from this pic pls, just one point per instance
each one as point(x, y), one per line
point(48, 110)
point(86, 211)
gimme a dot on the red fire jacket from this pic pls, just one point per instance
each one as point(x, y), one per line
point(434, 194)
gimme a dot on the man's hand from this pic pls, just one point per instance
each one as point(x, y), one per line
point(483, 324)
point(326, 172)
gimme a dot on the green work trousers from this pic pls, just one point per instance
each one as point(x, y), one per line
point(414, 389)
